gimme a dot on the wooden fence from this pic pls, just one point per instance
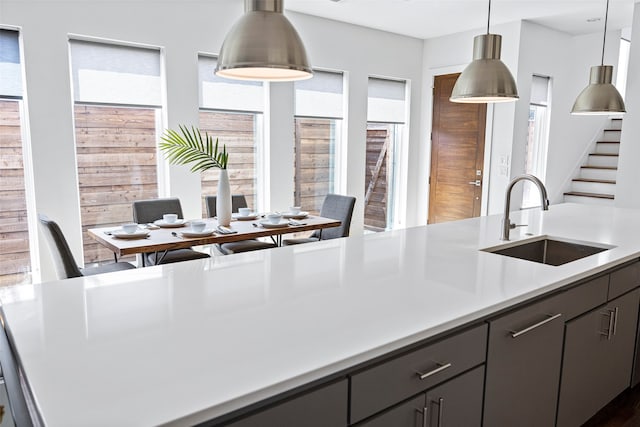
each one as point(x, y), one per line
point(313, 165)
point(15, 261)
point(116, 153)
point(237, 132)
point(379, 148)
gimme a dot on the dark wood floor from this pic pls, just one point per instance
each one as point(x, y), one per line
point(623, 411)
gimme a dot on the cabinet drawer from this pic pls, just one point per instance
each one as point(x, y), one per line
point(582, 298)
point(624, 280)
point(395, 380)
point(326, 406)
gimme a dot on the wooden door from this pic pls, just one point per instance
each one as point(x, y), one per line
point(457, 155)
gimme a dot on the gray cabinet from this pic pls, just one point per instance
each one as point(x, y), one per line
point(323, 407)
point(523, 366)
point(457, 402)
point(524, 356)
point(598, 358)
point(384, 385)
point(407, 414)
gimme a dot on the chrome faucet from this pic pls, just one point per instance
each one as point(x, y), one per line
point(507, 225)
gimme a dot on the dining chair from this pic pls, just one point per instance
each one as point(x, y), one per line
point(148, 211)
point(334, 206)
point(237, 201)
point(64, 263)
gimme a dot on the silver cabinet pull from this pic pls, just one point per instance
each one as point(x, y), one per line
point(516, 334)
point(477, 183)
point(613, 319)
point(440, 403)
point(441, 367)
point(424, 415)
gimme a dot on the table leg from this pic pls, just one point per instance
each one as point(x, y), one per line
point(159, 261)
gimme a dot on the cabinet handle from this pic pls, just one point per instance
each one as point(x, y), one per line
point(440, 403)
point(515, 334)
point(613, 319)
point(441, 367)
point(424, 412)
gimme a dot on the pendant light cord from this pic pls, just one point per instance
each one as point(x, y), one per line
point(604, 39)
point(489, 15)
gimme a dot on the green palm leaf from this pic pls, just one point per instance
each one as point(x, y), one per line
point(189, 146)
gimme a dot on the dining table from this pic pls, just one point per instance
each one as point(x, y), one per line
point(161, 237)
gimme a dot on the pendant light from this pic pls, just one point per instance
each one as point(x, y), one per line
point(600, 96)
point(263, 45)
point(486, 78)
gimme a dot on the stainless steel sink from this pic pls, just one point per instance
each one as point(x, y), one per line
point(549, 250)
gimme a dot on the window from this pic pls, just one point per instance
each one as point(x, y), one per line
point(117, 96)
point(386, 113)
point(623, 66)
point(318, 128)
point(232, 111)
point(15, 259)
point(537, 139)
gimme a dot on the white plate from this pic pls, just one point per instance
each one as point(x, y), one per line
point(164, 224)
point(192, 233)
point(267, 224)
point(299, 215)
point(120, 234)
point(244, 218)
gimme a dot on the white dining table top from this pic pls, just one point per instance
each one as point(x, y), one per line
point(166, 238)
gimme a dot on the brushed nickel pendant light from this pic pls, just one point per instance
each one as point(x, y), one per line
point(600, 96)
point(263, 45)
point(486, 78)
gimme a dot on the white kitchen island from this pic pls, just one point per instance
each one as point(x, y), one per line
point(189, 342)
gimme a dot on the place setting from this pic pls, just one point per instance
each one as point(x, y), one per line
point(197, 229)
point(245, 214)
point(295, 212)
point(129, 231)
point(284, 219)
point(170, 221)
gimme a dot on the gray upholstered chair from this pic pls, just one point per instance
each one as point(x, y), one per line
point(148, 211)
point(64, 263)
point(334, 206)
point(237, 201)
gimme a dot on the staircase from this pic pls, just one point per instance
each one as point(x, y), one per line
point(596, 183)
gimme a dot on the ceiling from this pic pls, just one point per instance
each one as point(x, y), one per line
point(431, 18)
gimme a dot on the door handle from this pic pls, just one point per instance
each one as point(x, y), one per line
point(477, 183)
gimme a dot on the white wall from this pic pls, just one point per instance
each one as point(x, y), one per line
point(528, 49)
point(182, 29)
point(628, 179)
point(567, 60)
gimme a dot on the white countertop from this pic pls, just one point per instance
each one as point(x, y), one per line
point(187, 342)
